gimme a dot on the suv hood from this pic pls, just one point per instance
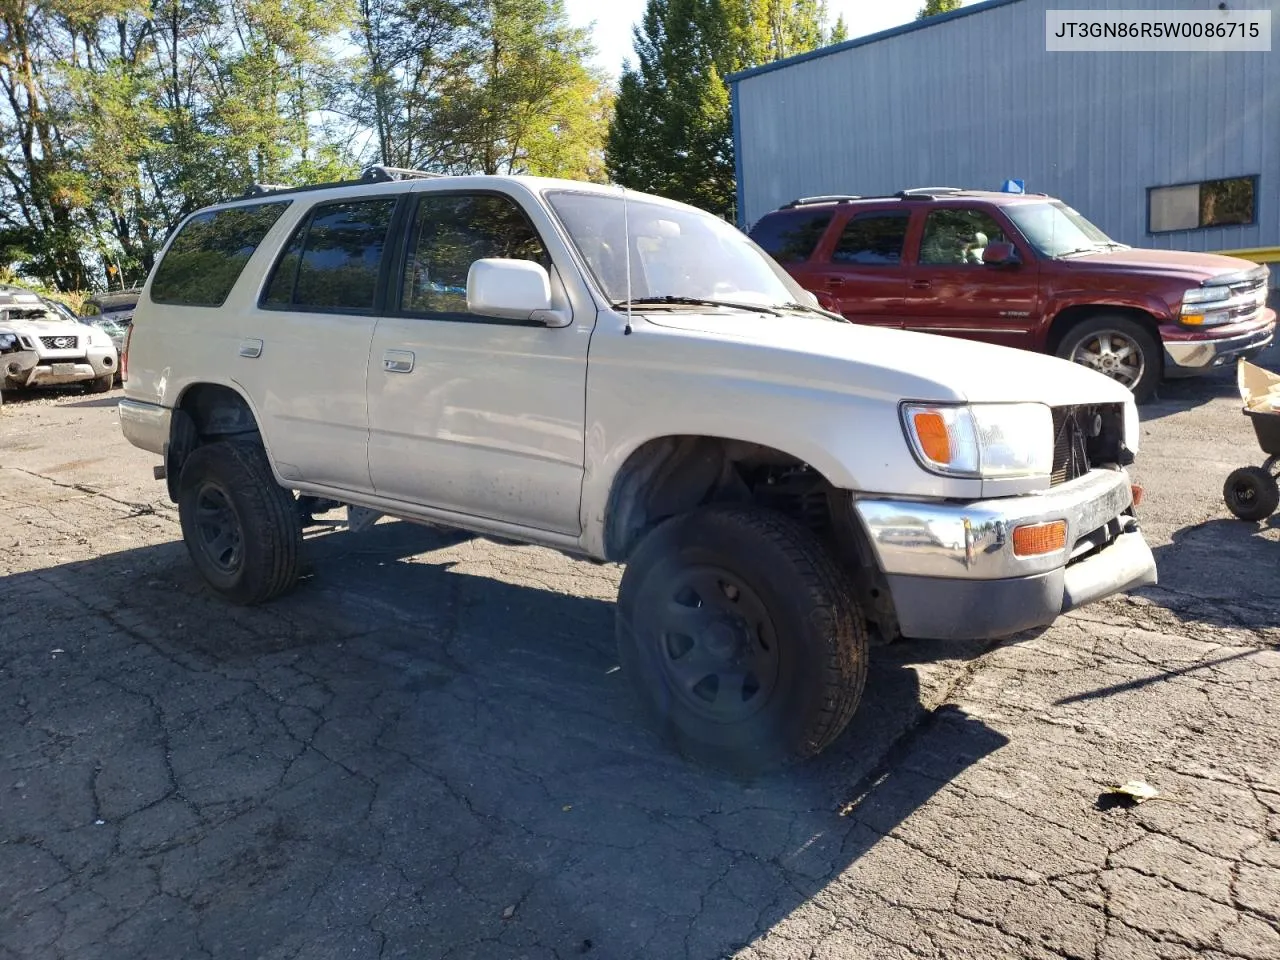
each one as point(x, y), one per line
point(896, 364)
point(1197, 267)
point(46, 327)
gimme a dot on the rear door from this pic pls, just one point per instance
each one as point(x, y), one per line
point(306, 353)
point(860, 267)
point(950, 291)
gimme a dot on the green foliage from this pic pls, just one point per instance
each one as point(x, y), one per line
point(120, 117)
point(671, 131)
point(932, 8)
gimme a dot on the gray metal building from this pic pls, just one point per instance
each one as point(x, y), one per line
point(1134, 141)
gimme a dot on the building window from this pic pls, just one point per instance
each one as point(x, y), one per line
point(1192, 206)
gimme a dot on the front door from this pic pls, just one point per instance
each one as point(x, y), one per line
point(862, 270)
point(951, 291)
point(475, 414)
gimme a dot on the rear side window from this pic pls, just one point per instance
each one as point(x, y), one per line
point(791, 236)
point(206, 257)
point(452, 231)
point(873, 239)
point(333, 259)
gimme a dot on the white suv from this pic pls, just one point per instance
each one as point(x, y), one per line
point(48, 349)
point(627, 379)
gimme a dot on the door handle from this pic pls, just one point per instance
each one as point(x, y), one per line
point(921, 284)
point(251, 349)
point(398, 361)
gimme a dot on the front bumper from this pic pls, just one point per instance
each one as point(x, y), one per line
point(30, 369)
point(1185, 358)
point(953, 575)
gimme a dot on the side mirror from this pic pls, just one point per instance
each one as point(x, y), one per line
point(510, 289)
point(999, 254)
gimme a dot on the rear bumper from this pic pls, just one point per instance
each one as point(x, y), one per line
point(953, 575)
point(145, 425)
point(1185, 358)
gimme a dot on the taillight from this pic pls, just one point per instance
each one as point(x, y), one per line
point(124, 356)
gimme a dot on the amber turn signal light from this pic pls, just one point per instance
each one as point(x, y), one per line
point(1036, 539)
point(931, 428)
point(1137, 493)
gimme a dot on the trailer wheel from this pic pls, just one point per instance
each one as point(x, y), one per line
point(1251, 493)
point(741, 635)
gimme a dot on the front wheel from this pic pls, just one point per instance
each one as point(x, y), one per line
point(101, 384)
point(1251, 493)
point(241, 528)
point(1120, 348)
point(740, 633)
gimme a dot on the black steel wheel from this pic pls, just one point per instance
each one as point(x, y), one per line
point(1251, 493)
point(102, 384)
point(741, 636)
point(241, 528)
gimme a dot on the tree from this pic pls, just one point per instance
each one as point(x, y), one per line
point(671, 131)
point(932, 8)
point(839, 32)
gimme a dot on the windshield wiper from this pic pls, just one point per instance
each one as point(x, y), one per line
point(830, 315)
point(695, 302)
point(1077, 250)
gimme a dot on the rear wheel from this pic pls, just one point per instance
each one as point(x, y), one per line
point(1119, 347)
point(241, 528)
point(739, 631)
point(1251, 493)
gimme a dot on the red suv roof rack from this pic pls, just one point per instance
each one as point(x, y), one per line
point(832, 198)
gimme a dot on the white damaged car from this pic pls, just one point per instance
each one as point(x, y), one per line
point(49, 349)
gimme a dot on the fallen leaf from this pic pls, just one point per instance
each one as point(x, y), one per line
point(567, 807)
point(508, 913)
point(1130, 794)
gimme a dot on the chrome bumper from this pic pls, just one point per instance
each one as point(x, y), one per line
point(1189, 357)
point(145, 425)
point(953, 574)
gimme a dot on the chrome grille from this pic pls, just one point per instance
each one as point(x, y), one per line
point(60, 343)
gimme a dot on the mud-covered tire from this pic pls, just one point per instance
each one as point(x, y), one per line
point(1083, 342)
point(1251, 493)
point(801, 636)
point(101, 384)
point(228, 488)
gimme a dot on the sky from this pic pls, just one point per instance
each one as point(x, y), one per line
point(614, 18)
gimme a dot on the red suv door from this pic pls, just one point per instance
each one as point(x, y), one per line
point(860, 266)
point(951, 291)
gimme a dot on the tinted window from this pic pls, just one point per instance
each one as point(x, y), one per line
point(791, 237)
point(958, 237)
point(873, 238)
point(452, 231)
point(206, 257)
point(332, 261)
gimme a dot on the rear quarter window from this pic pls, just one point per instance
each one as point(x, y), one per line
point(791, 236)
point(210, 251)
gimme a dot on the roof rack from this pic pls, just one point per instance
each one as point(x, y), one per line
point(928, 193)
point(830, 198)
point(378, 173)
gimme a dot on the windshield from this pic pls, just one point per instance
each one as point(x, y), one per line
point(1054, 229)
point(674, 252)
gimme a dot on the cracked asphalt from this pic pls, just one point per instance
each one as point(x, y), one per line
point(427, 751)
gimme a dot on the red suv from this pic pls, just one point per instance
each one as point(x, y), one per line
point(1026, 271)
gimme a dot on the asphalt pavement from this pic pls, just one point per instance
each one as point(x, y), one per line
point(427, 750)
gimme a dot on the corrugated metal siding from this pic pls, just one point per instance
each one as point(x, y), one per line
point(974, 101)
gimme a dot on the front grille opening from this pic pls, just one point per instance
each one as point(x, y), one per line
point(60, 343)
point(1085, 437)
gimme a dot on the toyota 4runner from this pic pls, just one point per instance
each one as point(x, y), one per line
point(626, 379)
point(1023, 270)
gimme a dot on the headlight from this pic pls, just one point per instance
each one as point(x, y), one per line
point(987, 441)
point(1215, 305)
